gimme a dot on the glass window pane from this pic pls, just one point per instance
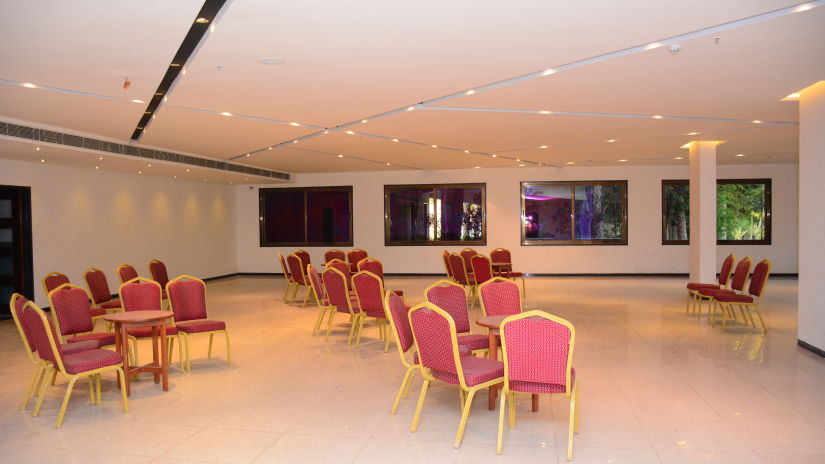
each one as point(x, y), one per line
point(5, 208)
point(6, 237)
point(547, 212)
point(459, 214)
point(741, 211)
point(6, 266)
point(599, 213)
point(328, 216)
point(677, 211)
point(414, 215)
point(283, 211)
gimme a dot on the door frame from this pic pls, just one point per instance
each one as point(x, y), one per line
point(27, 267)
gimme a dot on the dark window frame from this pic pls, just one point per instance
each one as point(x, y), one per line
point(573, 241)
point(262, 216)
point(481, 186)
point(768, 211)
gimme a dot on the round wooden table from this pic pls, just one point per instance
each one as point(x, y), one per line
point(126, 320)
point(493, 323)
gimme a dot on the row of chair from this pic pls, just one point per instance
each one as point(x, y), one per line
point(470, 269)
point(730, 294)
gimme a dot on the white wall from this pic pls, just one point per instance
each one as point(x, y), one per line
point(83, 218)
point(643, 254)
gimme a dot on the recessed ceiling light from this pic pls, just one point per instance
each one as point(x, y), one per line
point(622, 161)
point(543, 146)
point(270, 148)
point(97, 167)
point(793, 95)
point(692, 133)
point(246, 178)
point(469, 92)
point(226, 113)
point(678, 158)
point(611, 140)
point(249, 154)
point(653, 45)
point(294, 124)
point(340, 156)
point(388, 164)
point(521, 165)
point(175, 65)
point(140, 172)
point(326, 132)
point(271, 61)
point(100, 158)
point(547, 72)
point(756, 121)
point(544, 112)
point(295, 141)
point(138, 101)
point(394, 140)
point(410, 108)
point(187, 170)
point(363, 121)
point(183, 71)
point(201, 20)
point(802, 8)
point(29, 85)
point(174, 177)
point(518, 159)
point(434, 146)
point(477, 167)
point(466, 151)
point(658, 116)
point(36, 148)
point(148, 165)
point(42, 161)
point(740, 155)
point(571, 162)
point(350, 132)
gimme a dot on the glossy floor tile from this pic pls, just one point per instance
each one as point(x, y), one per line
point(657, 386)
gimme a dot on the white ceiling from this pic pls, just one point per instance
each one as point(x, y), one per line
point(344, 61)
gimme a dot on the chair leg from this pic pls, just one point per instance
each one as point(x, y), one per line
point(420, 405)
point(92, 390)
point(99, 385)
point(407, 387)
point(329, 325)
point(401, 389)
point(523, 287)
point(319, 320)
point(209, 353)
point(41, 393)
point(38, 374)
point(228, 349)
point(468, 403)
point(121, 378)
point(306, 297)
point(687, 303)
point(502, 404)
point(386, 337)
point(573, 426)
point(65, 404)
point(512, 410)
point(761, 321)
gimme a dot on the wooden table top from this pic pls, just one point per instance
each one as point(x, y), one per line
point(138, 316)
point(491, 322)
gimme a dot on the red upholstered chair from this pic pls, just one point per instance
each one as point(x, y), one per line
point(126, 272)
point(500, 297)
point(693, 296)
point(353, 256)
point(72, 313)
point(16, 305)
point(437, 343)
point(728, 300)
point(466, 254)
point(537, 350)
point(503, 267)
point(369, 291)
point(88, 363)
point(290, 282)
point(99, 288)
point(376, 267)
point(452, 298)
point(344, 268)
point(187, 298)
point(461, 276)
point(53, 280)
point(737, 285)
point(140, 294)
point(335, 286)
point(445, 256)
point(482, 268)
point(298, 273)
point(334, 254)
point(320, 297)
point(159, 274)
point(304, 255)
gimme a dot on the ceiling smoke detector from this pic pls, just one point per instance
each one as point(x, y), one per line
point(271, 61)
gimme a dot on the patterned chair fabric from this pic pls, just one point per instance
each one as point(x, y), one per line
point(502, 255)
point(445, 255)
point(285, 268)
point(397, 311)
point(354, 256)
point(500, 297)
point(434, 339)
point(759, 277)
point(724, 275)
point(453, 299)
point(126, 272)
point(71, 309)
point(317, 285)
point(294, 261)
point(334, 254)
point(482, 268)
point(304, 256)
point(459, 270)
point(158, 271)
point(370, 293)
point(466, 254)
point(537, 355)
point(54, 280)
point(372, 265)
point(335, 287)
point(344, 269)
point(142, 294)
point(98, 286)
point(188, 298)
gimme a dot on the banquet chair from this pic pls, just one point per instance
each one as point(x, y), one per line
point(99, 288)
point(335, 286)
point(376, 267)
point(353, 256)
point(466, 254)
point(16, 304)
point(737, 285)
point(462, 277)
point(750, 301)
point(334, 254)
point(500, 296)
point(53, 280)
point(85, 364)
point(159, 274)
point(452, 298)
point(304, 255)
point(502, 257)
point(320, 297)
point(290, 282)
point(693, 296)
point(445, 256)
point(141, 294)
point(344, 268)
point(537, 351)
point(73, 315)
point(369, 291)
point(126, 272)
point(437, 344)
point(296, 270)
point(187, 298)
point(482, 268)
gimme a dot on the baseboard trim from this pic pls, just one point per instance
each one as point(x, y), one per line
point(811, 348)
point(583, 274)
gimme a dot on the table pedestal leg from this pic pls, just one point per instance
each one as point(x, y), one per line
point(492, 354)
point(155, 360)
point(164, 358)
point(124, 351)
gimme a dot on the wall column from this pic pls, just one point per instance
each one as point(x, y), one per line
point(811, 331)
point(703, 210)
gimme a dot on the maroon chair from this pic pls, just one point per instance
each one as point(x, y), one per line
point(376, 267)
point(290, 282)
point(142, 294)
point(369, 291)
point(500, 297)
point(451, 297)
point(445, 256)
point(437, 342)
point(53, 280)
point(335, 286)
point(304, 255)
point(334, 254)
point(724, 278)
point(298, 273)
point(85, 364)
point(344, 269)
point(353, 256)
point(737, 285)
point(466, 254)
point(158, 272)
point(503, 267)
point(72, 313)
point(482, 268)
point(461, 276)
point(126, 272)
point(537, 350)
point(99, 288)
point(728, 299)
point(187, 298)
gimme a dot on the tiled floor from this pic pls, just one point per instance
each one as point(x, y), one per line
point(657, 386)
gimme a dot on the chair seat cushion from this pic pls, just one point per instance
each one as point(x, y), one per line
point(712, 292)
point(538, 387)
point(101, 338)
point(77, 347)
point(476, 371)
point(200, 326)
point(696, 286)
point(146, 332)
point(376, 314)
point(474, 341)
point(463, 351)
point(733, 298)
point(112, 304)
point(90, 360)
point(95, 312)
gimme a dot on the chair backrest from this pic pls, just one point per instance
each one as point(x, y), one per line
point(501, 255)
point(16, 304)
point(335, 286)
point(396, 312)
point(317, 285)
point(296, 269)
point(467, 253)
point(140, 294)
point(373, 265)
point(458, 268)
point(284, 268)
point(445, 256)
point(740, 276)
point(759, 277)
point(500, 297)
point(355, 255)
point(158, 271)
point(537, 348)
point(482, 268)
point(46, 342)
point(334, 254)
point(304, 255)
point(98, 285)
point(452, 298)
point(369, 290)
point(71, 310)
point(727, 269)
point(53, 280)
point(436, 339)
point(126, 272)
point(187, 297)
point(343, 268)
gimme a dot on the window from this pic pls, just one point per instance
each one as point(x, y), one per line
point(743, 212)
point(306, 216)
point(451, 214)
point(574, 213)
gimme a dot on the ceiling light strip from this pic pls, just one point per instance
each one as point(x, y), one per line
point(62, 90)
point(357, 158)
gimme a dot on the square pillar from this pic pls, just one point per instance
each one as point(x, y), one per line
point(703, 210)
